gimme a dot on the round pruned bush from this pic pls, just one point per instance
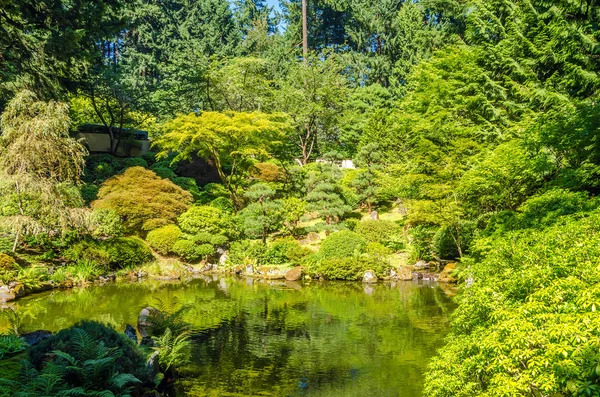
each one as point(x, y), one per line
point(348, 268)
point(246, 252)
point(164, 238)
point(164, 172)
point(376, 231)
point(186, 250)
point(342, 244)
point(127, 252)
point(202, 218)
point(285, 251)
point(224, 204)
point(134, 162)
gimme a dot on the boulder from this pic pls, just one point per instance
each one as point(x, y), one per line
point(370, 277)
point(249, 269)
point(404, 273)
point(152, 365)
point(374, 215)
point(144, 324)
point(313, 237)
point(35, 337)
point(224, 258)
point(294, 274)
point(131, 334)
point(446, 274)
point(420, 265)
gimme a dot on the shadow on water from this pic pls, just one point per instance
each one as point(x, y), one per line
point(259, 338)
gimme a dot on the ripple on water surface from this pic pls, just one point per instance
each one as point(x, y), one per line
point(276, 339)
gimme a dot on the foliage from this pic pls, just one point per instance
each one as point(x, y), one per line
point(508, 329)
point(246, 252)
point(87, 359)
point(7, 262)
point(204, 218)
point(39, 166)
point(292, 210)
point(106, 223)
point(342, 244)
point(11, 344)
point(263, 215)
point(285, 251)
point(346, 268)
point(324, 193)
point(139, 195)
point(134, 162)
point(376, 231)
point(187, 250)
point(163, 239)
point(233, 141)
point(126, 252)
point(443, 243)
point(173, 349)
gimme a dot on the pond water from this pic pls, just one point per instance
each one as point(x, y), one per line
point(262, 338)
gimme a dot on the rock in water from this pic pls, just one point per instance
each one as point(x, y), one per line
point(370, 277)
point(130, 332)
point(145, 324)
point(294, 274)
point(35, 337)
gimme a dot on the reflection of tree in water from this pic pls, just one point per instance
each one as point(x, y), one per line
point(324, 339)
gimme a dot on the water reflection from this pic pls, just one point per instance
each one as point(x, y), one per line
point(259, 338)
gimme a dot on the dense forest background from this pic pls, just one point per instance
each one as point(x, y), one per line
point(475, 122)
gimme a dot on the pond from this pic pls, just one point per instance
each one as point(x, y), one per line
point(259, 338)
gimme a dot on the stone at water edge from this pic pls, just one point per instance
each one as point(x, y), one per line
point(131, 334)
point(35, 337)
point(370, 277)
point(294, 274)
point(144, 325)
point(421, 265)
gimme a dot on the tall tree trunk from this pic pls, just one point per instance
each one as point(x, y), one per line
point(304, 32)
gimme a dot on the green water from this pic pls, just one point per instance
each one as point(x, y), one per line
point(277, 339)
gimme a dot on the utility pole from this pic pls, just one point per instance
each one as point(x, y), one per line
point(304, 33)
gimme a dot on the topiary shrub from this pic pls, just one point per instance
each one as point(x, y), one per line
point(349, 268)
point(202, 218)
point(164, 172)
point(99, 167)
point(285, 251)
point(190, 185)
point(187, 250)
point(224, 204)
point(376, 231)
point(134, 162)
point(127, 252)
point(342, 244)
point(246, 252)
point(163, 239)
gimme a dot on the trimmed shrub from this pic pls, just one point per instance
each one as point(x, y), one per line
point(164, 172)
point(106, 223)
point(201, 218)
point(127, 252)
point(88, 251)
point(246, 251)
point(224, 204)
point(163, 239)
point(89, 192)
point(164, 164)
point(190, 185)
point(99, 167)
point(134, 162)
point(376, 231)
point(186, 250)
point(349, 268)
point(342, 244)
point(155, 223)
point(285, 251)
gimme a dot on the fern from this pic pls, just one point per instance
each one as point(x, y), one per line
point(173, 350)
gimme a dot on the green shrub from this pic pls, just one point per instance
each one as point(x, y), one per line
point(186, 250)
point(246, 252)
point(164, 164)
point(164, 172)
point(150, 158)
point(224, 204)
point(89, 192)
point(152, 224)
point(530, 315)
point(134, 162)
point(202, 218)
point(126, 252)
point(11, 344)
point(88, 251)
point(163, 239)
point(376, 231)
point(190, 185)
point(106, 223)
point(285, 251)
point(205, 250)
point(99, 167)
point(348, 268)
point(342, 244)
